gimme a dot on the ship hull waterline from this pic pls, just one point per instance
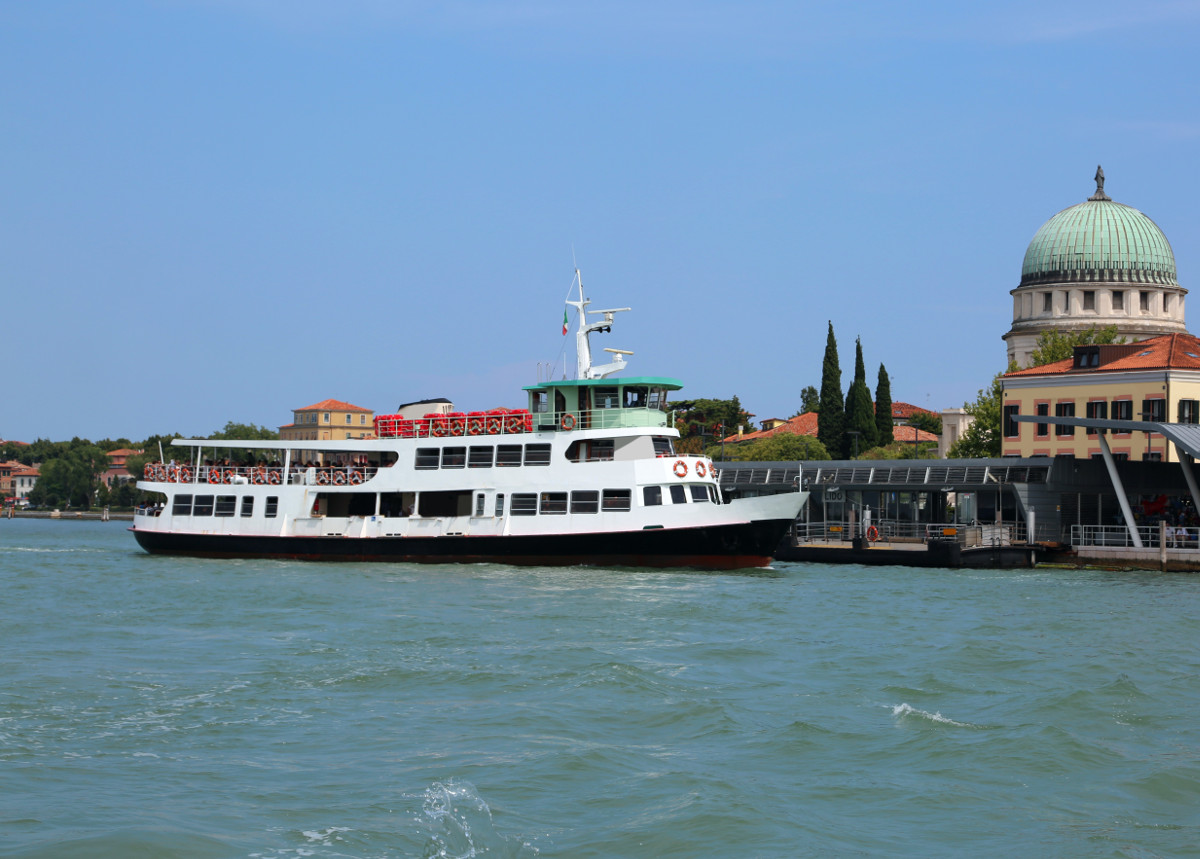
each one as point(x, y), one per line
point(725, 547)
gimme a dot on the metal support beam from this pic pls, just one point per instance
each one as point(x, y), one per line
point(1120, 489)
point(1185, 462)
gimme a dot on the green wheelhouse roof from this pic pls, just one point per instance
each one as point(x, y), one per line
point(655, 381)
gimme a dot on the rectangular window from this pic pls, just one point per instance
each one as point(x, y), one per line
point(349, 418)
point(699, 492)
point(508, 455)
point(605, 397)
point(247, 506)
point(1043, 410)
point(362, 420)
point(203, 506)
point(1089, 299)
point(226, 505)
point(585, 501)
point(1118, 299)
point(540, 400)
point(454, 457)
point(1096, 409)
point(480, 456)
point(1154, 410)
point(1144, 298)
point(678, 494)
point(651, 496)
point(1047, 302)
point(480, 500)
point(272, 507)
point(616, 500)
point(1011, 428)
point(1188, 411)
point(636, 396)
point(601, 450)
point(554, 503)
point(1153, 456)
point(658, 399)
point(427, 458)
point(499, 504)
point(1122, 410)
point(182, 506)
point(662, 446)
point(327, 417)
point(537, 454)
point(524, 504)
point(1064, 410)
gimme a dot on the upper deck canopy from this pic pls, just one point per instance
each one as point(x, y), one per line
point(640, 381)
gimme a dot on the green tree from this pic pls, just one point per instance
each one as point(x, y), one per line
point(1057, 343)
point(982, 437)
point(883, 408)
point(810, 400)
point(926, 421)
point(860, 414)
point(71, 478)
point(781, 447)
point(235, 431)
point(831, 417)
point(698, 420)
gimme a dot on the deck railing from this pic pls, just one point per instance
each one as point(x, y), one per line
point(259, 475)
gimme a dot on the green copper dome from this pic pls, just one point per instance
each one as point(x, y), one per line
point(1099, 240)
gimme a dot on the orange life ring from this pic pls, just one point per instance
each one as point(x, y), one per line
point(214, 474)
point(700, 472)
point(872, 533)
point(227, 477)
point(680, 468)
point(355, 478)
point(339, 478)
point(494, 425)
point(259, 478)
point(457, 427)
point(567, 422)
point(513, 425)
point(438, 429)
point(475, 426)
point(322, 477)
point(148, 472)
point(273, 478)
point(185, 475)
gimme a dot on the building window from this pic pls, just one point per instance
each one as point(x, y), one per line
point(1122, 410)
point(1096, 409)
point(1144, 297)
point(1047, 302)
point(1011, 428)
point(327, 417)
point(1043, 410)
point(1154, 410)
point(1089, 299)
point(362, 420)
point(1188, 411)
point(349, 418)
point(1118, 299)
point(1064, 410)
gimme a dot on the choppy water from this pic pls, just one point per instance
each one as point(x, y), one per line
point(157, 707)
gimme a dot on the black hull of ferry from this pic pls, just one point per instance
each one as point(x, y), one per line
point(725, 547)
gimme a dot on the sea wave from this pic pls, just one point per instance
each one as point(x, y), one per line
point(906, 711)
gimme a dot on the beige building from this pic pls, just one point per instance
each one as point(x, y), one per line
point(1156, 380)
point(329, 420)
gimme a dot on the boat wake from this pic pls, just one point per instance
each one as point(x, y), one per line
point(462, 827)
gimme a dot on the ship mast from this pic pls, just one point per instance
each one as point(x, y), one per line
point(583, 350)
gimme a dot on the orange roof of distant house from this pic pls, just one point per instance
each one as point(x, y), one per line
point(904, 411)
point(13, 441)
point(124, 451)
point(20, 470)
point(905, 433)
point(1170, 351)
point(805, 424)
point(333, 406)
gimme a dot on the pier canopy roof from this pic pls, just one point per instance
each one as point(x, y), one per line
point(1185, 436)
point(1099, 240)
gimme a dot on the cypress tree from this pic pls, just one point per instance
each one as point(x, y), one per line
point(831, 418)
point(860, 414)
point(883, 407)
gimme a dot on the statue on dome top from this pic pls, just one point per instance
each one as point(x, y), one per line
point(1099, 177)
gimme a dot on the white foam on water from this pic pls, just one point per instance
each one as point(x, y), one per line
point(902, 710)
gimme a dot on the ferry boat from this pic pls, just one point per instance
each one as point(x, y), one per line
point(587, 474)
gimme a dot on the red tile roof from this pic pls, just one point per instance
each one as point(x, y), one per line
point(332, 406)
point(805, 424)
point(1170, 351)
point(904, 411)
point(905, 434)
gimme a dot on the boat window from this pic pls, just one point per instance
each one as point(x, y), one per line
point(712, 494)
point(182, 506)
point(606, 398)
point(203, 505)
point(585, 501)
point(226, 505)
point(508, 455)
point(539, 401)
point(636, 397)
point(658, 399)
point(699, 492)
point(247, 506)
point(663, 446)
point(272, 506)
point(427, 457)
point(651, 496)
point(480, 500)
point(554, 502)
point(678, 494)
point(537, 454)
point(480, 456)
point(616, 500)
point(594, 450)
point(499, 503)
point(524, 504)
point(454, 457)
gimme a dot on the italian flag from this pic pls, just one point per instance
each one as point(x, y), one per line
point(564, 323)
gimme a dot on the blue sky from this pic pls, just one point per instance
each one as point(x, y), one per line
point(224, 210)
